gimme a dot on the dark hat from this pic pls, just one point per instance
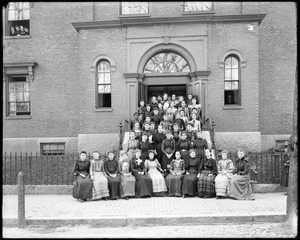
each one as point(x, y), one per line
point(168, 131)
point(151, 151)
point(136, 113)
point(155, 108)
point(144, 133)
point(112, 151)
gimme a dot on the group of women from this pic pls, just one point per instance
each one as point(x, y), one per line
point(165, 155)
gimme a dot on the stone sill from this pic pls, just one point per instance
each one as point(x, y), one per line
point(232, 107)
point(104, 110)
point(18, 117)
point(133, 15)
point(198, 12)
point(17, 37)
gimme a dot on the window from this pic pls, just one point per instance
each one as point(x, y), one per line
point(135, 8)
point(103, 96)
point(232, 81)
point(52, 149)
point(166, 62)
point(17, 19)
point(197, 6)
point(18, 97)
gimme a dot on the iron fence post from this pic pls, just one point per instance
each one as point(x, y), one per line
point(21, 201)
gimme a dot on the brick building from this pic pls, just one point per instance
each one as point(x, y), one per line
point(80, 69)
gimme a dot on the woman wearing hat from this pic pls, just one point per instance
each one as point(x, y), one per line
point(207, 173)
point(225, 168)
point(143, 185)
point(111, 168)
point(83, 184)
point(174, 179)
point(240, 187)
point(189, 182)
point(156, 173)
point(168, 149)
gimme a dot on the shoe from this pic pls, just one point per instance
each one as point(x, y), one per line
point(81, 200)
point(219, 197)
point(126, 198)
point(183, 195)
point(285, 194)
point(205, 197)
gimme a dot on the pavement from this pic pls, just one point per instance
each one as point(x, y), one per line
point(61, 210)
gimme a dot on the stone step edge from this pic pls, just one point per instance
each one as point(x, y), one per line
point(129, 221)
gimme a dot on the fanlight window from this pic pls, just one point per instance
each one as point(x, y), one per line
point(167, 62)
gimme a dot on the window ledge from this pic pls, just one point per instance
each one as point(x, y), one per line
point(232, 107)
point(134, 15)
point(103, 110)
point(16, 37)
point(17, 117)
point(198, 12)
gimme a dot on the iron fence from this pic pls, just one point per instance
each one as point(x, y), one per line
point(58, 170)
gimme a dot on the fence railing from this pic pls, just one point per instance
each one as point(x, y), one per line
point(58, 170)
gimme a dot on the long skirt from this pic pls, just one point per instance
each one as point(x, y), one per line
point(206, 185)
point(285, 177)
point(184, 155)
point(100, 186)
point(82, 188)
point(165, 161)
point(158, 181)
point(222, 184)
point(159, 153)
point(189, 184)
point(174, 184)
point(114, 186)
point(143, 185)
point(127, 187)
point(240, 187)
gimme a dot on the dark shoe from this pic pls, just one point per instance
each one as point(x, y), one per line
point(219, 197)
point(126, 198)
point(285, 194)
point(183, 195)
point(81, 200)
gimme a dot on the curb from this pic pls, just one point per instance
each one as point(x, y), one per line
point(139, 221)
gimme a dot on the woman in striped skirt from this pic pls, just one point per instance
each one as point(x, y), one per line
point(207, 173)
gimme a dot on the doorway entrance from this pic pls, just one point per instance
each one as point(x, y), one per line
point(177, 89)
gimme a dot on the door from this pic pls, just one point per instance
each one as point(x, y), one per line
point(142, 92)
point(177, 89)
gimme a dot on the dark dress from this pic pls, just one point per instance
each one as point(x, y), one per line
point(189, 183)
point(200, 145)
point(167, 147)
point(206, 184)
point(175, 135)
point(184, 146)
point(181, 124)
point(285, 172)
point(145, 147)
point(156, 119)
point(190, 135)
point(143, 184)
point(157, 141)
point(82, 188)
point(112, 167)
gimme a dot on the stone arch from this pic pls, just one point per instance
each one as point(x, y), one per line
point(239, 53)
point(166, 47)
point(103, 57)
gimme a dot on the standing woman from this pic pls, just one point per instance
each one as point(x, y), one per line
point(240, 187)
point(132, 144)
point(184, 145)
point(174, 179)
point(189, 183)
point(143, 185)
point(156, 174)
point(225, 168)
point(99, 178)
point(200, 144)
point(145, 146)
point(157, 142)
point(127, 188)
point(168, 149)
point(82, 189)
point(207, 173)
point(111, 168)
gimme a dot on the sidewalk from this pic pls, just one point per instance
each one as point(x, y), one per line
point(58, 210)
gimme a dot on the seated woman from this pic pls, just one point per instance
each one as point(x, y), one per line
point(206, 175)
point(189, 183)
point(222, 181)
point(240, 187)
point(127, 188)
point(156, 174)
point(99, 178)
point(143, 185)
point(168, 149)
point(111, 168)
point(82, 189)
point(174, 179)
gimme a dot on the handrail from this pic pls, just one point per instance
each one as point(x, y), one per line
point(124, 127)
point(211, 129)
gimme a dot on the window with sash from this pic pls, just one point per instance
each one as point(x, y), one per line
point(103, 82)
point(17, 19)
point(232, 88)
point(52, 149)
point(197, 6)
point(134, 8)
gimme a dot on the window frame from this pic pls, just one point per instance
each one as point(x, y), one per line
point(6, 24)
point(239, 103)
point(133, 14)
point(211, 10)
point(52, 143)
point(97, 107)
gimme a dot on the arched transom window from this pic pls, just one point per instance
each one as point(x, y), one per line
point(167, 62)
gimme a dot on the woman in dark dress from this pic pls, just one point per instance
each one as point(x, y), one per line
point(143, 184)
point(111, 168)
point(83, 184)
point(240, 187)
point(189, 183)
point(176, 132)
point(183, 145)
point(207, 174)
point(157, 141)
point(145, 145)
point(200, 144)
point(168, 149)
